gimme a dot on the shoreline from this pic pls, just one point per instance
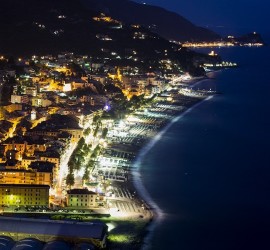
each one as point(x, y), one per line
point(153, 214)
point(131, 214)
point(157, 213)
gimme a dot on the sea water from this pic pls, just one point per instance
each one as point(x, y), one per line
point(209, 173)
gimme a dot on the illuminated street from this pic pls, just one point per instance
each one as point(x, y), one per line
point(60, 186)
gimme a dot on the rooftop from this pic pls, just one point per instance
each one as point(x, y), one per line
point(74, 230)
point(80, 191)
point(22, 185)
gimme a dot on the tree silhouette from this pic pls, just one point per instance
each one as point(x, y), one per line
point(70, 180)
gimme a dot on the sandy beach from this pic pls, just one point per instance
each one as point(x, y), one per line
point(133, 212)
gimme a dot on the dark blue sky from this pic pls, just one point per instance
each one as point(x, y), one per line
point(235, 16)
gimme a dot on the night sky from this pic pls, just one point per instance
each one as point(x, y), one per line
point(223, 16)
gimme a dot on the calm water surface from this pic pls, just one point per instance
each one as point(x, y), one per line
point(210, 172)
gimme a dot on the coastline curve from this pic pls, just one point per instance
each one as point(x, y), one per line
point(157, 213)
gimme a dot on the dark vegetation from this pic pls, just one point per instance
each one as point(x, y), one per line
point(33, 27)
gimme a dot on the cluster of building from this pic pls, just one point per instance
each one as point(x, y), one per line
point(47, 105)
point(252, 39)
point(30, 164)
point(142, 85)
point(33, 146)
point(50, 106)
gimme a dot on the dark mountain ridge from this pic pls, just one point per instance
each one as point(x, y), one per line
point(167, 24)
point(30, 27)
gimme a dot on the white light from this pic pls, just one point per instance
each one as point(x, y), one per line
point(111, 226)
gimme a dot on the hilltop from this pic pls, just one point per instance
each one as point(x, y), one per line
point(167, 24)
point(30, 27)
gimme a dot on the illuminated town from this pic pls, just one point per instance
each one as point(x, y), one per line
point(250, 40)
point(218, 44)
point(68, 140)
point(73, 125)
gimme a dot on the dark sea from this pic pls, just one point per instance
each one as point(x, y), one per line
point(209, 173)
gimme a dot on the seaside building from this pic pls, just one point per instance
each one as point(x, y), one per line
point(22, 194)
point(23, 176)
point(82, 198)
point(34, 231)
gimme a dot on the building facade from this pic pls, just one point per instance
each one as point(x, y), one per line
point(82, 198)
point(26, 195)
point(21, 176)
